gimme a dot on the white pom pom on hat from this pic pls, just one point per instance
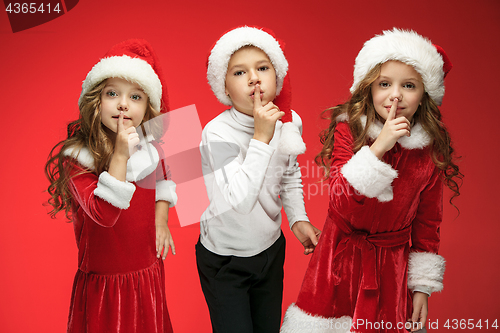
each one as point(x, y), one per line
point(133, 60)
point(429, 60)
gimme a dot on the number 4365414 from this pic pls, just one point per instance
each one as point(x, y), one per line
point(31, 8)
point(470, 324)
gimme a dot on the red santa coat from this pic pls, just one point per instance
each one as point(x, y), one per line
point(120, 284)
point(380, 239)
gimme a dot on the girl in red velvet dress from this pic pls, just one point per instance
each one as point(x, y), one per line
point(117, 189)
point(389, 155)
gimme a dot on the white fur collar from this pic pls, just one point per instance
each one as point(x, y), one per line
point(419, 138)
point(141, 164)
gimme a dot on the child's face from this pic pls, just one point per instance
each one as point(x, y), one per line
point(122, 95)
point(247, 67)
point(397, 80)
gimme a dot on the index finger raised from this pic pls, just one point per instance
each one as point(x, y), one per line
point(392, 111)
point(120, 126)
point(257, 103)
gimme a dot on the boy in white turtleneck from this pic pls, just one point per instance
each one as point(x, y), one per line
point(249, 162)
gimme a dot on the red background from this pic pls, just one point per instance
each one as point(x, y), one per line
point(41, 73)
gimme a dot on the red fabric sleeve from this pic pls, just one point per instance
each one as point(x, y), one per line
point(82, 185)
point(341, 192)
point(426, 225)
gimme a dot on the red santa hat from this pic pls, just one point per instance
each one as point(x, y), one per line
point(429, 60)
point(290, 141)
point(133, 60)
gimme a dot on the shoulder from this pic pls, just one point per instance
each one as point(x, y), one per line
point(343, 127)
point(80, 155)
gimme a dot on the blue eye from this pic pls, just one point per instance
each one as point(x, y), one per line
point(238, 73)
point(384, 84)
point(136, 97)
point(409, 85)
point(111, 93)
point(263, 68)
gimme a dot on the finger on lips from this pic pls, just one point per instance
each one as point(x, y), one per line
point(257, 103)
point(120, 122)
point(392, 111)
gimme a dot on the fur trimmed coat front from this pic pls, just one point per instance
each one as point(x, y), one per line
point(380, 239)
point(120, 283)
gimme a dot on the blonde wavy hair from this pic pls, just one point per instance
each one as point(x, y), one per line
point(87, 131)
point(361, 103)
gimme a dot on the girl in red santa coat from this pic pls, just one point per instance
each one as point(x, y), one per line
point(389, 155)
point(114, 184)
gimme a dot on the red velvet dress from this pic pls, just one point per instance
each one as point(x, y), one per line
point(380, 215)
point(120, 284)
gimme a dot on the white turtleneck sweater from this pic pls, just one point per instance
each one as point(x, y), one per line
point(248, 182)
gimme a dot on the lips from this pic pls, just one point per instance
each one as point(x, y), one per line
point(252, 94)
point(389, 108)
point(124, 117)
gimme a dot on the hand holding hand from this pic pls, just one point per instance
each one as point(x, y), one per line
point(307, 234)
point(265, 117)
point(393, 129)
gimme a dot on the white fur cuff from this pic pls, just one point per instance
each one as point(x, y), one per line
point(297, 321)
point(115, 192)
point(426, 269)
point(369, 175)
point(165, 190)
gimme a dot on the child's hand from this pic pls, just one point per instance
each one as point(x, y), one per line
point(163, 241)
point(265, 117)
point(307, 234)
point(393, 129)
point(419, 316)
point(126, 139)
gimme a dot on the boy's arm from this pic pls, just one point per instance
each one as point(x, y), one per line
point(292, 197)
point(291, 192)
point(239, 180)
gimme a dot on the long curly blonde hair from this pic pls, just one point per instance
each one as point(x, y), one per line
point(361, 103)
point(87, 131)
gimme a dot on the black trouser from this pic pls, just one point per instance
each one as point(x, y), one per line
point(243, 294)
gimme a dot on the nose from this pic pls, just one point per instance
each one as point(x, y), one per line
point(396, 92)
point(122, 104)
point(254, 77)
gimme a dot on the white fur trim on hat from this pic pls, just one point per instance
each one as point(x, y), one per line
point(131, 69)
point(232, 42)
point(409, 48)
point(298, 321)
point(426, 269)
point(369, 175)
